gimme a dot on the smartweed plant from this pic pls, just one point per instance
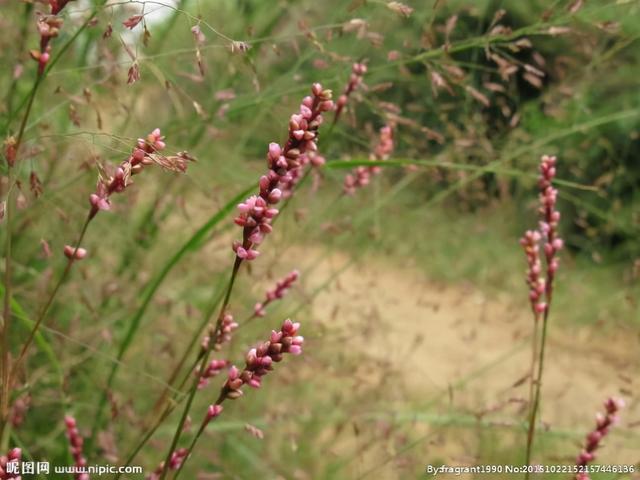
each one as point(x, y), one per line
point(138, 308)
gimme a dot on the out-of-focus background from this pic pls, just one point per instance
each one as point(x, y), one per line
point(412, 293)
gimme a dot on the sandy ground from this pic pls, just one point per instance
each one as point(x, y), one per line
point(472, 351)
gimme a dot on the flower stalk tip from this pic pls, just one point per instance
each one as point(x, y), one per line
point(604, 422)
point(277, 293)
point(256, 213)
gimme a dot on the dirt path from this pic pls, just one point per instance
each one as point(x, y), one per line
point(458, 340)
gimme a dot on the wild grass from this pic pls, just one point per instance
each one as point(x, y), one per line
point(445, 214)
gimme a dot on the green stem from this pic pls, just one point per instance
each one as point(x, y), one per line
point(52, 296)
point(196, 239)
point(203, 365)
point(197, 436)
point(6, 307)
point(6, 316)
point(534, 358)
point(20, 48)
point(175, 401)
point(538, 388)
point(53, 61)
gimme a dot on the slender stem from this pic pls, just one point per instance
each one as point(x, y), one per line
point(146, 438)
point(197, 436)
point(203, 425)
point(6, 306)
point(52, 296)
point(203, 366)
point(21, 47)
point(169, 408)
point(7, 370)
point(538, 388)
point(57, 57)
point(165, 414)
point(6, 316)
point(185, 355)
point(174, 375)
point(534, 358)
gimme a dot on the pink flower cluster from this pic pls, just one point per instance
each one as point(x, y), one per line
point(385, 146)
point(177, 457)
point(213, 369)
point(531, 244)
point(122, 177)
point(257, 212)
point(259, 360)
point(76, 443)
point(277, 293)
point(593, 439)
point(226, 329)
point(361, 176)
point(547, 235)
point(550, 216)
point(13, 457)
point(48, 28)
point(357, 72)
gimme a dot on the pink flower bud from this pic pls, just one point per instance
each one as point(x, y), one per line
point(252, 254)
point(326, 106)
point(274, 151)
point(77, 254)
point(541, 307)
point(213, 411)
point(305, 112)
point(275, 195)
point(233, 372)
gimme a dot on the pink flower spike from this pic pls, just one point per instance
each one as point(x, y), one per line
point(118, 179)
point(284, 162)
point(76, 443)
point(278, 292)
point(546, 237)
point(361, 176)
point(355, 80)
point(260, 360)
point(594, 438)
